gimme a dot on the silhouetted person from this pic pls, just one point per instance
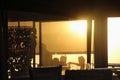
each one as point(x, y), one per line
point(46, 56)
point(63, 60)
point(55, 62)
point(81, 63)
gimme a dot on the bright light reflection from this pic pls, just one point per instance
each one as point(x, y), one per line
point(79, 27)
point(113, 40)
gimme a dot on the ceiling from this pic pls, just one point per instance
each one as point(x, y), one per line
point(67, 8)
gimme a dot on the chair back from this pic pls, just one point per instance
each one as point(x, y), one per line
point(47, 73)
point(88, 75)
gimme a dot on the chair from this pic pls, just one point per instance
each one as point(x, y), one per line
point(88, 75)
point(47, 73)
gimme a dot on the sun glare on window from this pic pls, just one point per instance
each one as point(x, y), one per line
point(78, 27)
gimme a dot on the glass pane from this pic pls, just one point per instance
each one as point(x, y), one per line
point(26, 23)
point(37, 48)
point(66, 39)
point(65, 36)
point(11, 24)
point(113, 40)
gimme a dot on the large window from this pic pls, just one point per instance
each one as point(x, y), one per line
point(53, 43)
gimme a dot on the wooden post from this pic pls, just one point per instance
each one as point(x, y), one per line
point(100, 42)
point(3, 45)
point(40, 44)
point(34, 48)
point(89, 35)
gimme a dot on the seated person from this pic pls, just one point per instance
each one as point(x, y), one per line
point(81, 63)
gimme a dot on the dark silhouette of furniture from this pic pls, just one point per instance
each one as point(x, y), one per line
point(88, 75)
point(46, 73)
